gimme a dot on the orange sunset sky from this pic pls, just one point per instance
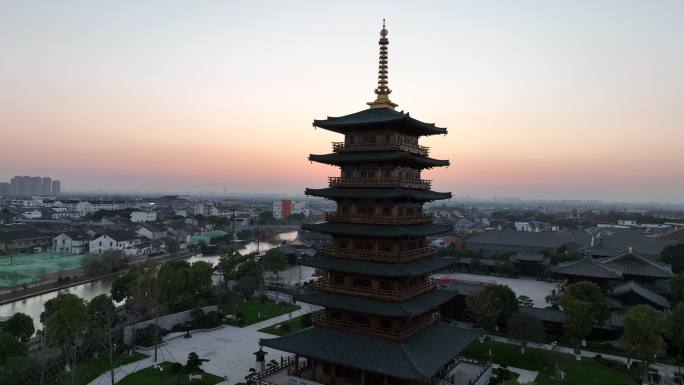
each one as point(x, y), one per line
point(542, 99)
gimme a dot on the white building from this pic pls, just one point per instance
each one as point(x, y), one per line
point(150, 231)
point(143, 216)
point(114, 240)
point(70, 242)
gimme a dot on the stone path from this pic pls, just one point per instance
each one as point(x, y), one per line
point(230, 350)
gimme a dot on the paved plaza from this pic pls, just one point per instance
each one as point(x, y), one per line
point(230, 350)
point(531, 287)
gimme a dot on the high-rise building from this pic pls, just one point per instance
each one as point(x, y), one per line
point(380, 323)
point(282, 209)
point(4, 189)
point(56, 187)
point(36, 186)
point(46, 188)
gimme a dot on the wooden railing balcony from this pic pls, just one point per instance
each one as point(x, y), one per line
point(424, 184)
point(405, 219)
point(381, 294)
point(391, 145)
point(377, 331)
point(378, 255)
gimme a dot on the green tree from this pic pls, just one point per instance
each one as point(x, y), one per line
point(65, 327)
point(674, 332)
point(590, 293)
point(674, 255)
point(172, 246)
point(104, 318)
point(110, 260)
point(485, 307)
point(250, 268)
point(228, 262)
point(199, 277)
point(642, 336)
point(525, 327)
point(121, 285)
point(10, 349)
point(507, 300)
point(578, 320)
point(275, 261)
point(194, 363)
point(247, 285)
point(20, 325)
point(173, 280)
point(678, 288)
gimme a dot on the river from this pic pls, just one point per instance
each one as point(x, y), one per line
point(33, 306)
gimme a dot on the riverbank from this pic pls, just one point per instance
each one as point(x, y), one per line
point(57, 286)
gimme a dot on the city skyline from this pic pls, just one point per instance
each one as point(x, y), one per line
point(576, 101)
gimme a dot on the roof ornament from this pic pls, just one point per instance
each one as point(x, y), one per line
point(382, 99)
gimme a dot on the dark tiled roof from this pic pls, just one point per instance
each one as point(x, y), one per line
point(382, 231)
point(528, 257)
point(523, 238)
point(463, 288)
point(643, 292)
point(7, 236)
point(548, 315)
point(417, 305)
point(414, 268)
point(587, 267)
point(396, 157)
point(417, 358)
point(121, 235)
point(379, 118)
point(632, 263)
point(378, 193)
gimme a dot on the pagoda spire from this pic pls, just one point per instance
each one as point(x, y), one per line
point(382, 99)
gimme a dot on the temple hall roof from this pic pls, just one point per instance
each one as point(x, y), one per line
point(414, 306)
point(378, 193)
point(395, 157)
point(379, 118)
point(380, 231)
point(641, 291)
point(408, 269)
point(587, 267)
point(632, 263)
point(417, 358)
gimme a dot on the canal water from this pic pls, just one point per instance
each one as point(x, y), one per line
point(33, 306)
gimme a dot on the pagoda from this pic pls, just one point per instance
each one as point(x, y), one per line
point(380, 322)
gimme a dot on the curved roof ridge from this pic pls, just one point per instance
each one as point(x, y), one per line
point(633, 253)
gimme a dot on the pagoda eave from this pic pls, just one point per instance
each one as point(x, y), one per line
point(395, 193)
point(377, 231)
point(415, 306)
point(396, 157)
point(410, 269)
point(419, 358)
point(379, 118)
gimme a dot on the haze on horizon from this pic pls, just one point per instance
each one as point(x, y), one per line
point(576, 100)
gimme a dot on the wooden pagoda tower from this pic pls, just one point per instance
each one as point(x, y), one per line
point(380, 322)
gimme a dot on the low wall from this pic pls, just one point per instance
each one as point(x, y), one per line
point(166, 322)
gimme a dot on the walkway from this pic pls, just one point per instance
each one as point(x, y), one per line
point(524, 376)
point(230, 350)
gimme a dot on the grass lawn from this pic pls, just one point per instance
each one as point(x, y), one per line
point(152, 376)
point(252, 308)
point(89, 369)
point(295, 325)
point(585, 372)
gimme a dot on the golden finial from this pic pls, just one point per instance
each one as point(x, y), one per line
point(382, 99)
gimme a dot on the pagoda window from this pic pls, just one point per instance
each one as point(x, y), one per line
point(386, 211)
point(335, 315)
point(343, 243)
point(362, 282)
point(345, 209)
point(360, 319)
point(358, 245)
point(337, 278)
point(386, 173)
point(386, 246)
point(385, 323)
point(386, 285)
point(388, 138)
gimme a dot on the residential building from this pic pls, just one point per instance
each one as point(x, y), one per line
point(56, 187)
point(113, 240)
point(46, 186)
point(282, 209)
point(4, 189)
point(24, 241)
point(143, 216)
point(70, 242)
point(151, 231)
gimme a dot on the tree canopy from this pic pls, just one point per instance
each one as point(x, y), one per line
point(678, 288)
point(642, 336)
point(525, 327)
point(20, 325)
point(674, 330)
point(590, 293)
point(493, 305)
point(578, 320)
point(674, 255)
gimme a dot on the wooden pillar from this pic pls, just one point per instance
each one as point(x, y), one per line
point(385, 380)
point(332, 375)
point(363, 377)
